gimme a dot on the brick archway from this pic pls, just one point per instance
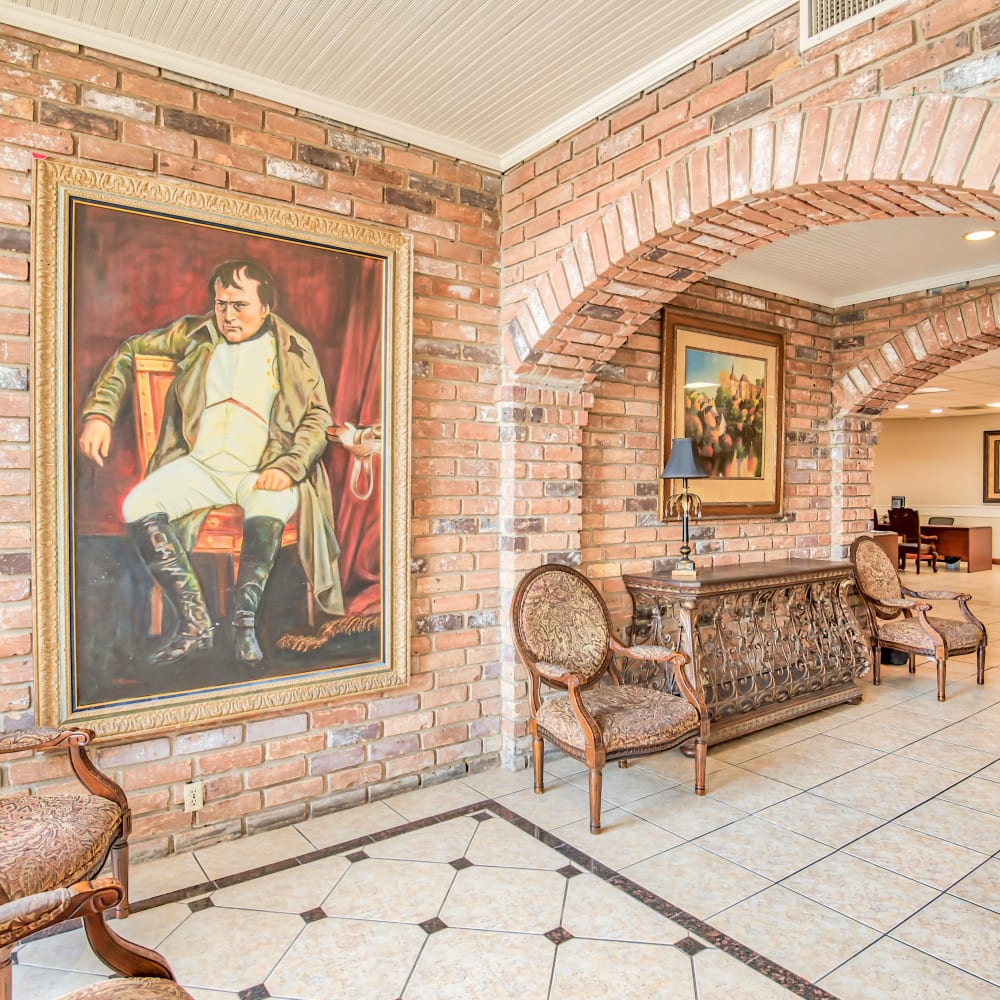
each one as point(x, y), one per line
point(920, 155)
point(915, 354)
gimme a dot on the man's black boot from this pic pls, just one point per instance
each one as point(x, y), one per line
point(261, 543)
point(168, 561)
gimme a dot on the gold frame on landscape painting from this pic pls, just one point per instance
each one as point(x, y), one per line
point(722, 385)
point(118, 255)
point(991, 466)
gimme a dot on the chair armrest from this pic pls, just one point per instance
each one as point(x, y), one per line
point(642, 651)
point(940, 595)
point(687, 681)
point(551, 669)
point(903, 603)
point(24, 916)
point(592, 731)
point(30, 914)
point(41, 738)
point(75, 741)
point(21, 917)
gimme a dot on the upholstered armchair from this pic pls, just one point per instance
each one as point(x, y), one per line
point(899, 618)
point(563, 635)
point(148, 977)
point(52, 841)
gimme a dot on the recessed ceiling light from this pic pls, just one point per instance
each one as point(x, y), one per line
point(929, 388)
point(902, 406)
point(937, 411)
point(995, 406)
point(979, 234)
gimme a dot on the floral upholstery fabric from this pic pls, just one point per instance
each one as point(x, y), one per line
point(563, 622)
point(131, 989)
point(52, 840)
point(961, 637)
point(630, 718)
point(876, 576)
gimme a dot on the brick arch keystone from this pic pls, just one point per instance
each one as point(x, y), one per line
point(893, 157)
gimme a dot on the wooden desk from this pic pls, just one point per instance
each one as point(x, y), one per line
point(769, 641)
point(973, 545)
point(888, 541)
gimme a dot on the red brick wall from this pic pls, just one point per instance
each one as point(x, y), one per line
point(536, 437)
point(65, 101)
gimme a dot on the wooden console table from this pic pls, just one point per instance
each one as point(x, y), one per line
point(973, 544)
point(770, 641)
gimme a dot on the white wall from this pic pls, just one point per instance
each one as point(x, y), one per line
point(937, 464)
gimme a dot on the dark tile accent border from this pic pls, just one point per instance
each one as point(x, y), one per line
point(354, 850)
point(254, 993)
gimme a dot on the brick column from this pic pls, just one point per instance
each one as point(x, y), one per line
point(541, 432)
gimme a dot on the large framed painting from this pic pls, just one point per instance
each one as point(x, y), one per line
point(220, 454)
point(722, 387)
point(991, 466)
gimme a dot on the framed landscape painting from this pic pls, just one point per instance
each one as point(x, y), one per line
point(722, 387)
point(220, 453)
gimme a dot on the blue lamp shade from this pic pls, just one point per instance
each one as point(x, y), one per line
point(682, 464)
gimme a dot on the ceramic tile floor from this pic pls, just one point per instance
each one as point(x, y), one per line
point(852, 853)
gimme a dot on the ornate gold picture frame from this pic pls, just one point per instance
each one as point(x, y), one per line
point(183, 337)
point(991, 466)
point(722, 386)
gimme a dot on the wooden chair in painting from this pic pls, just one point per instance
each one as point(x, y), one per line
point(48, 842)
point(221, 534)
point(899, 618)
point(144, 973)
point(563, 635)
point(905, 521)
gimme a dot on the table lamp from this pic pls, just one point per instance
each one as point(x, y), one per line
point(682, 465)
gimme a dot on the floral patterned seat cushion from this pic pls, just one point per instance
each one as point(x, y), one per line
point(52, 840)
point(961, 637)
point(630, 718)
point(131, 989)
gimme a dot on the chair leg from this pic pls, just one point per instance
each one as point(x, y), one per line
point(981, 665)
point(595, 800)
point(941, 666)
point(700, 760)
point(6, 991)
point(119, 866)
point(912, 664)
point(876, 664)
point(538, 760)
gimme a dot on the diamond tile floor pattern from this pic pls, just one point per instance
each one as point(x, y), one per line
point(852, 854)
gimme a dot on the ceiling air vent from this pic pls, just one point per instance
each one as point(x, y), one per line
point(821, 19)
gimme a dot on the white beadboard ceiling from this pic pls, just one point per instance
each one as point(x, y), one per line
point(489, 81)
point(495, 81)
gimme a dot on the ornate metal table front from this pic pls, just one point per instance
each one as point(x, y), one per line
point(770, 641)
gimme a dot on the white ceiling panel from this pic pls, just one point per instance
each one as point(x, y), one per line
point(859, 261)
point(491, 81)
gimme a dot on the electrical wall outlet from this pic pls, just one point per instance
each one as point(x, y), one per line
point(194, 796)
